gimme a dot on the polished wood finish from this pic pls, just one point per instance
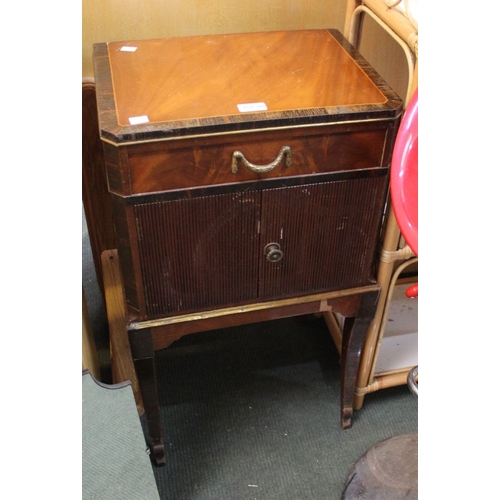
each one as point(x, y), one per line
point(193, 241)
point(351, 88)
point(345, 302)
point(95, 196)
point(238, 72)
point(195, 223)
point(207, 161)
point(353, 338)
point(122, 365)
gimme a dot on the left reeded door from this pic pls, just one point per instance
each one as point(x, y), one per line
point(198, 253)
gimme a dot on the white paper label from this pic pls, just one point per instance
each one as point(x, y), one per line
point(252, 106)
point(126, 48)
point(136, 120)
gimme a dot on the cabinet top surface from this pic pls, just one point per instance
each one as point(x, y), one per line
point(164, 88)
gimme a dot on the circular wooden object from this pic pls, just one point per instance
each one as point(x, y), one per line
point(387, 471)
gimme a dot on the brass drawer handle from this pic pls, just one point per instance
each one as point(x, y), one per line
point(262, 169)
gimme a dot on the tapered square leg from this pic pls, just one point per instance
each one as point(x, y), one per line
point(141, 345)
point(353, 339)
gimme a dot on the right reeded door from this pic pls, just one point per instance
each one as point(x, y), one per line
point(326, 232)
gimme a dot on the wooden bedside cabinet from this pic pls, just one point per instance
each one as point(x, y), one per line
point(249, 175)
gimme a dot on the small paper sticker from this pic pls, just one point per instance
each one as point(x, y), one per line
point(136, 120)
point(252, 106)
point(126, 48)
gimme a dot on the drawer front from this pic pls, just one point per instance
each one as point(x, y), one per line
point(211, 162)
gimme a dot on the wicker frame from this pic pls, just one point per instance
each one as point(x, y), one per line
point(396, 256)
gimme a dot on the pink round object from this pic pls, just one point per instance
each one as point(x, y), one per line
point(404, 175)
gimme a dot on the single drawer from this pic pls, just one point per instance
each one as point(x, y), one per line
point(209, 161)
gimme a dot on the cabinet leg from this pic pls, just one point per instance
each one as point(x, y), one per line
point(353, 338)
point(141, 345)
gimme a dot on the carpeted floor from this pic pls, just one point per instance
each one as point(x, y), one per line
point(253, 412)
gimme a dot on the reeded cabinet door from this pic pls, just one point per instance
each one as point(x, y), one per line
point(210, 251)
point(199, 253)
point(326, 232)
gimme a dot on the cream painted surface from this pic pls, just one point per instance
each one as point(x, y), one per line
point(115, 20)
point(385, 55)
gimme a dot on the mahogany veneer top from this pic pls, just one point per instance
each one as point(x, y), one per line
point(201, 80)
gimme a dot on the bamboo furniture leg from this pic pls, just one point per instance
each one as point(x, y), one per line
point(405, 32)
point(389, 255)
point(386, 267)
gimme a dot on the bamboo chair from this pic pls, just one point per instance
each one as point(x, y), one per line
point(389, 470)
point(393, 16)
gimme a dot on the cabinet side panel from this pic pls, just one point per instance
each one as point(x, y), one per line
point(124, 238)
point(327, 232)
point(114, 169)
point(198, 253)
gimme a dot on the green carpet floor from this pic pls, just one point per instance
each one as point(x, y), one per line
point(253, 413)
